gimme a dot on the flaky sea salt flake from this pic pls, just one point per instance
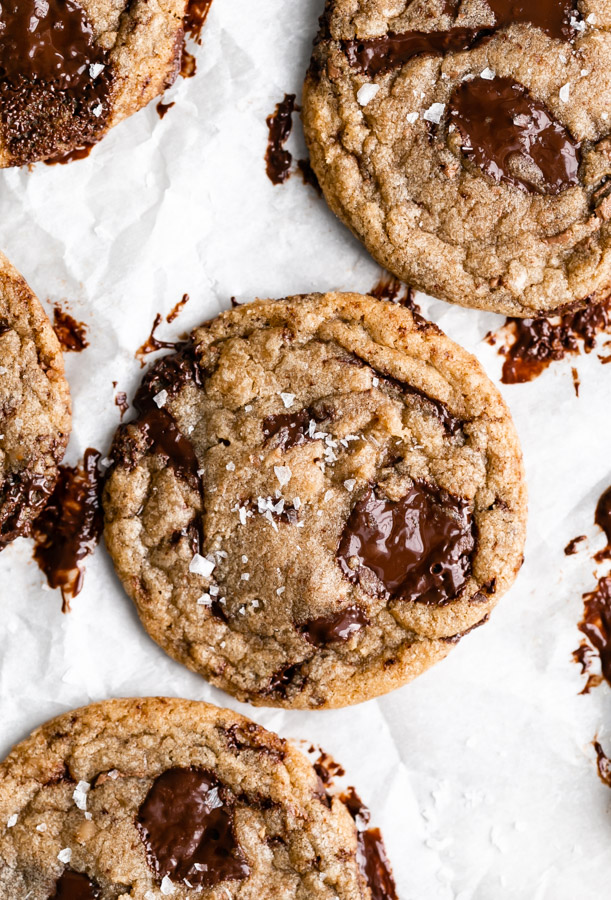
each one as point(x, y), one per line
point(283, 474)
point(434, 113)
point(287, 399)
point(199, 565)
point(166, 887)
point(564, 92)
point(366, 93)
point(160, 398)
point(12, 821)
point(65, 855)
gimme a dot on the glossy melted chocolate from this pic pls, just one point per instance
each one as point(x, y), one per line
point(22, 494)
point(596, 626)
point(75, 886)
point(602, 518)
point(277, 159)
point(390, 51)
point(371, 853)
point(501, 124)
point(69, 527)
point(290, 429)
point(186, 825)
point(71, 334)
point(340, 627)
point(419, 547)
point(535, 343)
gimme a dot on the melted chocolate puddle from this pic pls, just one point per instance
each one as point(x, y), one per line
point(279, 160)
point(596, 626)
point(72, 335)
point(418, 548)
point(371, 853)
point(195, 18)
point(48, 58)
point(392, 50)
point(390, 288)
point(502, 126)
point(69, 526)
point(531, 345)
point(186, 825)
point(75, 886)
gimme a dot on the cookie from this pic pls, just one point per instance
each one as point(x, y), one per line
point(467, 144)
point(319, 495)
point(70, 71)
point(34, 406)
point(155, 797)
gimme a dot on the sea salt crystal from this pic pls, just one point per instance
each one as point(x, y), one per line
point(204, 600)
point(283, 474)
point(488, 74)
point(434, 113)
point(12, 821)
point(161, 398)
point(245, 576)
point(97, 110)
point(230, 467)
point(564, 92)
point(366, 93)
point(166, 886)
point(65, 855)
point(42, 827)
point(411, 117)
point(280, 590)
point(349, 484)
point(80, 794)
point(242, 515)
point(95, 69)
point(199, 565)
point(287, 399)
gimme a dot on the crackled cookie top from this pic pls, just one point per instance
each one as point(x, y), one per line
point(156, 797)
point(34, 406)
point(317, 496)
point(69, 70)
point(467, 144)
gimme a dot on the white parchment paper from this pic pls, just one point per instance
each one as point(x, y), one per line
point(481, 774)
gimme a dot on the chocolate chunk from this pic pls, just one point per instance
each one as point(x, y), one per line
point(371, 853)
point(602, 518)
point(159, 426)
point(376, 55)
point(49, 60)
point(69, 527)
point(340, 627)
point(392, 50)
point(75, 886)
point(596, 626)
point(186, 825)
point(277, 159)
point(512, 137)
point(419, 547)
point(289, 676)
point(290, 428)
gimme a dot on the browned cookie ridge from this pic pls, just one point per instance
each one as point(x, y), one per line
point(467, 145)
point(34, 406)
point(318, 495)
point(71, 70)
point(146, 798)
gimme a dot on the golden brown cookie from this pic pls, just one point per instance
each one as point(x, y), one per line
point(466, 143)
point(164, 797)
point(318, 497)
point(34, 406)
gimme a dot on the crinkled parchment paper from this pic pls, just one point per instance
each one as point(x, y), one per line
point(481, 774)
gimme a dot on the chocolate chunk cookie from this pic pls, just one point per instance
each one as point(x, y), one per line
point(318, 497)
point(467, 144)
point(156, 797)
point(34, 406)
point(69, 71)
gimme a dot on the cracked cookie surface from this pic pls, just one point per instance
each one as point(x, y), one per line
point(318, 497)
point(34, 406)
point(383, 122)
point(70, 71)
point(142, 798)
